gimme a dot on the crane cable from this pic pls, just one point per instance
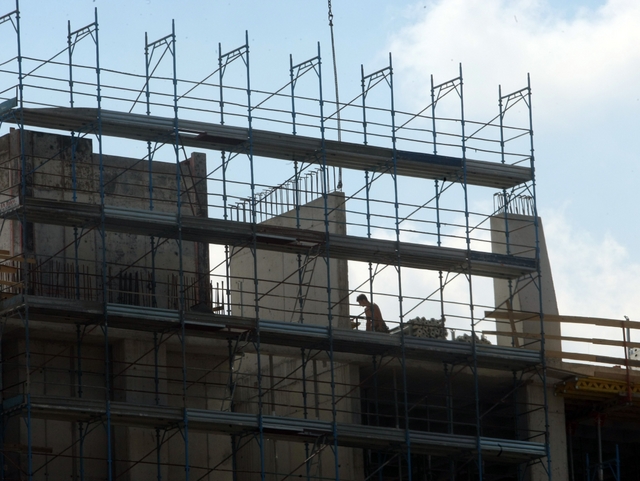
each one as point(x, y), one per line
point(335, 76)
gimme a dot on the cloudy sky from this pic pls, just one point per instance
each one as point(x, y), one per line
point(582, 56)
point(585, 71)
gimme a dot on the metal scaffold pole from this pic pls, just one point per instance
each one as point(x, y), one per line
point(385, 75)
point(509, 205)
point(223, 61)
point(73, 38)
point(14, 18)
point(526, 95)
point(399, 270)
point(243, 53)
point(327, 258)
point(171, 47)
point(439, 91)
point(293, 75)
point(368, 184)
point(103, 239)
point(296, 71)
point(159, 48)
point(150, 152)
point(506, 200)
point(438, 190)
point(254, 251)
point(474, 337)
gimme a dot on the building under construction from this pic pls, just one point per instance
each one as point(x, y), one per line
point(180, 261)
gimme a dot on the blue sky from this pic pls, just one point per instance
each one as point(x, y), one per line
point(582, 56)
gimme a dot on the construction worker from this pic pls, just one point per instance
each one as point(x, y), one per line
point(373, 315)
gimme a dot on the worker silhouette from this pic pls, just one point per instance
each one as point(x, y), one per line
point(373, 315)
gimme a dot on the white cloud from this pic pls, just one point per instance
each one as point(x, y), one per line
point(594, 275)
point(592, 55)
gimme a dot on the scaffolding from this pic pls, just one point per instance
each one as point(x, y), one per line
point(168, 315)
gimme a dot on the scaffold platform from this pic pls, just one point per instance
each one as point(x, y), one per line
point(276, 145)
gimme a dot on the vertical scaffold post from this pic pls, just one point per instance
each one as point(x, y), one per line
point(296, 71)
point(456, 85)
point(171, 46)
point(293, 75)
point(243, 52)
point(474, 339)
point(224, 60)
point(507, 102)
point(365, 90)
point(103, 240)
point(375, 363)
point(149, 50)
point(368, 210)
point(438, 190)
point(74, 140)
point(543, 357)
point(164, 45)
point(14, 18)
point(327, 258)
point(505, 196)
point(399, 267)
point(368, 183)
point(368, 82)
point(70, 48)
point(73, 38)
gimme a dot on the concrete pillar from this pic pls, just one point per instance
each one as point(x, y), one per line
point(525, 296)
point(525, 291)
point(195, 169)
point(278, 286)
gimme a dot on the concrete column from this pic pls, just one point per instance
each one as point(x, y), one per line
point(526, 297)
point(278, 285)
point(195, 170)
point(525, 290)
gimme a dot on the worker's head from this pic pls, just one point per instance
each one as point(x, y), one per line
point(362, 300)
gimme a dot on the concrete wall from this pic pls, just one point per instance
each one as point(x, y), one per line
point(279, 273)
point(129, 257)
point(55, 358)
